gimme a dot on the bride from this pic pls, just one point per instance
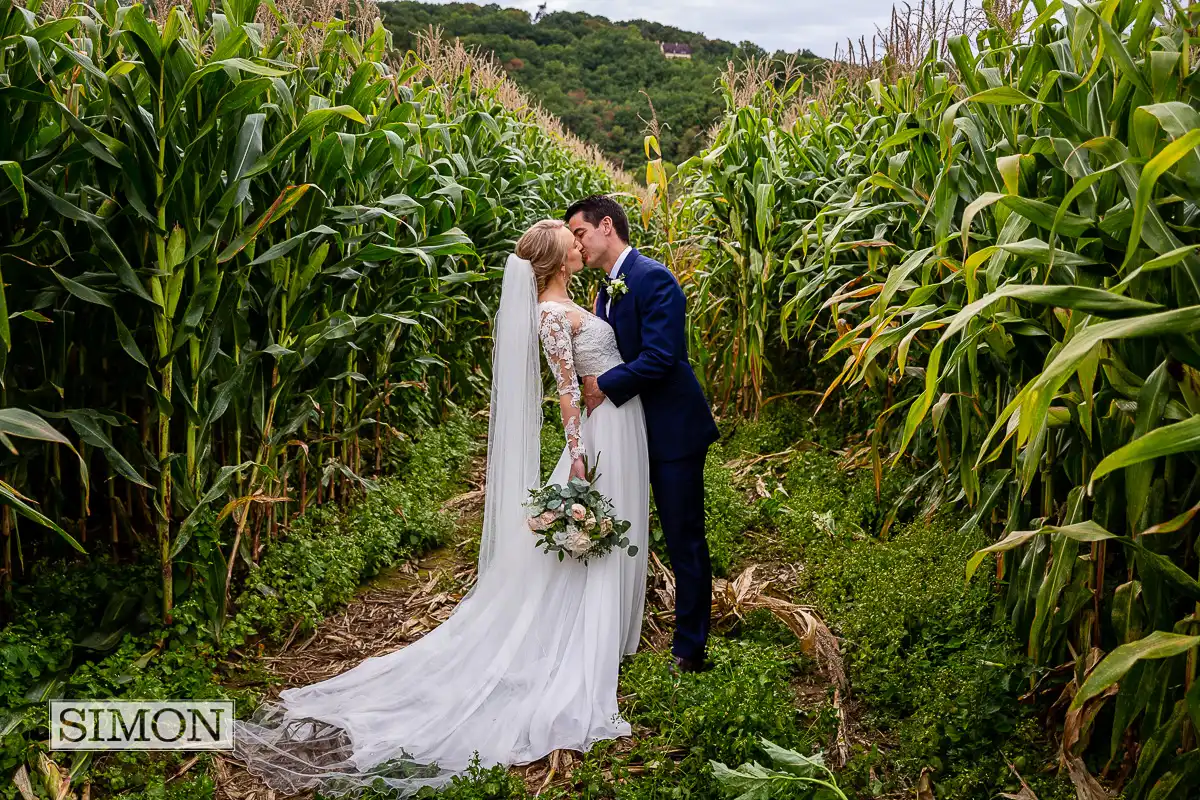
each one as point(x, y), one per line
point(528, 661)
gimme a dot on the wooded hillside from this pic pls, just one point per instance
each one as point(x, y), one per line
point(590, 72)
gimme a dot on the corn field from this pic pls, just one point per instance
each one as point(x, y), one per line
point(247, 246)
point(998, 237)
point(241, 255)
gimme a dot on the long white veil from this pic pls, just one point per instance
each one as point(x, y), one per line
point(515, 419)
point(334, 734)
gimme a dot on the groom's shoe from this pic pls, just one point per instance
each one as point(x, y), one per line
point(680, 665)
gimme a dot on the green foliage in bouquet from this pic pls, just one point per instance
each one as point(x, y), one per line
point(577, 520)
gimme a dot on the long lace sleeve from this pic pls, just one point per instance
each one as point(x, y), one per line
point(555, 332)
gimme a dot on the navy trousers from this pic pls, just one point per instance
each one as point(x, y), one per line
point(679, 497)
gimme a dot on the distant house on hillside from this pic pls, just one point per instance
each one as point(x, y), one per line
point(675, 49)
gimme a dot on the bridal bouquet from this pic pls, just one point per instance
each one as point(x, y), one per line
point(575, 520)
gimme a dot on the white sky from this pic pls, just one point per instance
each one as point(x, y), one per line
point(773, 24)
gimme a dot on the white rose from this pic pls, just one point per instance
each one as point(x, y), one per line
point(606, 526)
point(578, 512)
point(579, 543)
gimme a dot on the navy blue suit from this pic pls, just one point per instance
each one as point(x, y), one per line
point(650, 324)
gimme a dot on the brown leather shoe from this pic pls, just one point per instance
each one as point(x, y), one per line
point(680, 665)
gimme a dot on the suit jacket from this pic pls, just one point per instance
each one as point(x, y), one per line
point(650, 324)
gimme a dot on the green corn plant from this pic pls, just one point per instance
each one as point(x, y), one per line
point(1001, 241)
point(241, 252)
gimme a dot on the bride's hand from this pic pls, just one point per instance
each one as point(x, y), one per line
point(577, 470)
point(592, 394)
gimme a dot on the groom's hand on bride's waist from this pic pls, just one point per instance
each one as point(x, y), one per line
point(592, 396)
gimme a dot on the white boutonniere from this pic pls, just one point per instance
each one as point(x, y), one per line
point(617, 287)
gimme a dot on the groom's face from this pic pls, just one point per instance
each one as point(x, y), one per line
point(595, 241)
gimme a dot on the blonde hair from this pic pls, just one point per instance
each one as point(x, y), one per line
point(544, 248)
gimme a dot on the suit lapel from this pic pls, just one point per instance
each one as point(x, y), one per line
point(627, 264)
point(602, 302)
point(602, 298)
point(619, 316)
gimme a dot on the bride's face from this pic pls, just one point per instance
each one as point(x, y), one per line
point(574, 253)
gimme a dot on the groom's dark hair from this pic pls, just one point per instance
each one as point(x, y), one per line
point(598, 206)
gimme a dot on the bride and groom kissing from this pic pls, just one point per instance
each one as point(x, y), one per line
point(528, 661)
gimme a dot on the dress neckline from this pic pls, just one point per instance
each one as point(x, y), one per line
point(568, 303)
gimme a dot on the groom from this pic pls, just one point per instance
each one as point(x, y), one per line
point(643, 303)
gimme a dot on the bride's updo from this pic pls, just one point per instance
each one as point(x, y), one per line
point(544, 246)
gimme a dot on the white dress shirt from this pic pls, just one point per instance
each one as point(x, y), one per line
point(612, 275)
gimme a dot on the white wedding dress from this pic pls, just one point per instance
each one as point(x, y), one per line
point(528, 661)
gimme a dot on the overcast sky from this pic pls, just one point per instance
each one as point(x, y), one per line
point(774, 24)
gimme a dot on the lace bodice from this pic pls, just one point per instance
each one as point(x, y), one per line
point(577, 343)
